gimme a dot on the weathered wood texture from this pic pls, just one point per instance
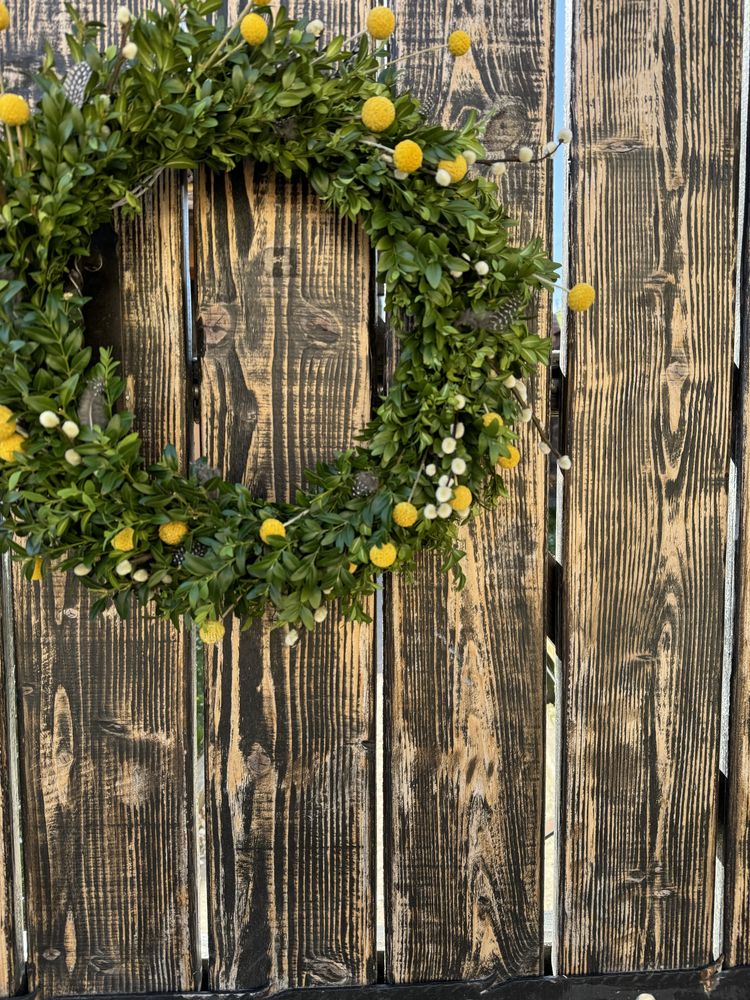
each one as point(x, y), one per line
point(655, 100)
point(465, 671)
point(283, 290)
point(105, 708)
point(737, 841)
point(11, 958)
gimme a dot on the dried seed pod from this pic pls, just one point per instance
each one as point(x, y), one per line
point(365, 483)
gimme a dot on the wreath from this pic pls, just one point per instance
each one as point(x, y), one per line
point(180, 90)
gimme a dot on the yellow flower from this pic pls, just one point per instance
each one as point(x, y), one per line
point(37, 571)
point(461, 498)
point(512, 460)
point(407, 156)
point(7, 423)
point(581, 297)
point(352, 567)
point(13, 110)
point(459, 43)
point(456, 169)
point(10, 446)
point(378, 114)
point(4, 17)
point(262, 3)
point(271, 528)
point(211, 631)
point(123, 540)
point(489, 418)
point(405, 514)
point(381, 22)
point(173, 532)
point(254, 29)
point(383, 556)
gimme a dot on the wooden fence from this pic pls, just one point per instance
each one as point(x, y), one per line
point(264, 356)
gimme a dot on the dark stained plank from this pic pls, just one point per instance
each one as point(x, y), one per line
point(655, 102)
point(464, 682)
point(105, 708)
point(11, 918)
point(283, 290)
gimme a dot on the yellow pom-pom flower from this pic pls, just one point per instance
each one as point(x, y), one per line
point(581, 297)
point(456, 169)
point(211, 632)
point(7, 423)
point(383, 556)
point(173, 532)
point(124, 540)
point(13, 110)
point(4, 17)
point(262, 3)
point(404, 514)
point(10, 447)
point(510, 461)
point(381, 22)
point(459, 43)
point(488, 419)
point(271, 528)
point(462, 498)
point(352, 567)
point(407, 156)
point(37, 571)
point(254, 29)
point(378, 114)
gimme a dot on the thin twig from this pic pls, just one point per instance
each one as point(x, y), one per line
point(143, 189)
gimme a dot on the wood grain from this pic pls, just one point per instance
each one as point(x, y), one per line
point(284, 290)
point(464, 685)
point(106, 708)
point(656, 96)
point(737, 834)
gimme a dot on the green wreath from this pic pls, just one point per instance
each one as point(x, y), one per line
point(178, 91)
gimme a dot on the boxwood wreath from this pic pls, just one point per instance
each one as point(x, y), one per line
point(180, 90)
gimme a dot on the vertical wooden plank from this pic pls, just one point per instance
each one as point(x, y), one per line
point(737, 840)
point(655, 101)
point(11, 956)
point(283, 290)
point(464, 683)
point(105, 708)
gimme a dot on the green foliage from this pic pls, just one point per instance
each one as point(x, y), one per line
point(196, 94)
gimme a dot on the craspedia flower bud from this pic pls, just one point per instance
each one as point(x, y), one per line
point(291, 638)
point(550, 147)
point(36, 573)
point(71, 429)
point(14, 110)
point(315, 27)
point(459, 43)
point(404, 514)
point(124, 16)
point(383, 556)
point(10, 447)
point(470, 156)
point(407, 156)
point(48, 419)
point(378, 113)
point(511, 460)
point(320, 614)
point(254, 29)
point(124, 540)
point(272, 528)
point(499, 169)
point(130, 51)
point(442, 178)
point(488, 419)
point(581, 297)
point(211, 631)
point(81, 569)
point(525, 154)
point(456, 169)
point(461, 498)
point(140, 575)
point(72, 457)
point(380, 23)
point(4, 17)
point(123, 567)
point(565, 135)
point(173, 532)
point(7, 423)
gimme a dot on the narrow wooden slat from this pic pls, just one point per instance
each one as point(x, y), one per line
point(655, 103)
point(464, 683)
point(106, 708)
point(283, 290)
point(737, 875)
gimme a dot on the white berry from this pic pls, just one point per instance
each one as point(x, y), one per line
point(129, 51)
point(564, 462)
point(442, 178)
point(430, 511)
point(71, 429)
point(458, 466)
point(316, 27)
point(482, 268)
point(565, 135)
point(123, 16)
point(525, 154)
point(140, 575)
point(124, 567)
point(320, 614)
point(72, 457)
point(443, 493)
point(444, 510)
point(49, 419)
point(499, 169)
point(448, 445)
point(81, 569)
point(291, 637)
point(470, 156)
point(430, 469)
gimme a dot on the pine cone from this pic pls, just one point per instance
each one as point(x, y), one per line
point(365, 483)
